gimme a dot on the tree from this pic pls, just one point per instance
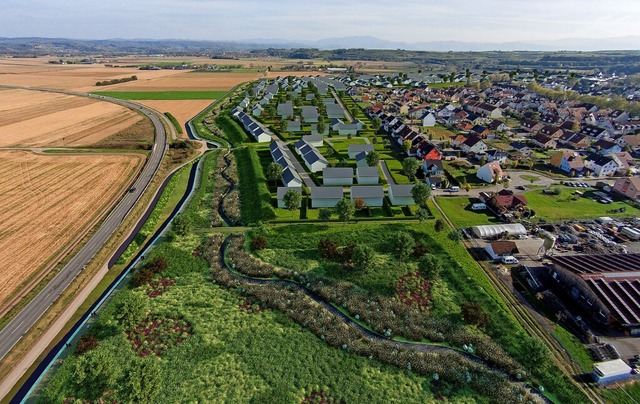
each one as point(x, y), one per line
point(376, 123)
point(406, 146)
point(473, 314)
point(537, 353)
point(467, 187)
point(403, 245)
point(420, 193)
point(273, 172)
point(324, 214)
point(321, 127)
point(95, 372)
point(181, 225)
point(438, 225)
point(144, 380)
point(422, 214)
point(131, 309)
point(85, 344)
point(292, 199)
point(362, 257)
point(373, 158)
point(430, 266)
point(409, 167)
point(345, 209)
point(454, 235)
point(359, 204)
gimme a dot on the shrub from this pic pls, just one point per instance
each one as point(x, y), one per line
point(419, 250)
point(359, 203)
point(328, 248)
point(346, 253)
point(438, 225)
point(85, 344)
point(404, 245)
point(324, 214)
point(473, 314)
point(362, 257)
point(142, 277)
point(259, 243)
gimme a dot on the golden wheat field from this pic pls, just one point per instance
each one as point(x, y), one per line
point(46, 201)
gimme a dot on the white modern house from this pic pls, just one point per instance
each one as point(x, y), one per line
point(400, 195)
point(337, 176)
point(325, 197)
point(428, 119)
point(355, 149)
point(490, 172)
point(371, 195)
point(314, 160)
point(291, 178)
point(367, 175)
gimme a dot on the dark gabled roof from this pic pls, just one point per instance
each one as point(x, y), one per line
point(542, 139)
point(472, 141)
point(337, 172)
point(430, 163)
point(600, 160)
point(549, 129)
point(326, 193)
point(367, 191)
point(401, 190)
point(289, 174)
point(478, 129)
point(495, 124)
point(367, 172)
point(604, 144)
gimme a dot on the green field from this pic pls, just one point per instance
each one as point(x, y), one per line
point(458, 210)
point(163, 95)
point(233, 354)
point(566, 206)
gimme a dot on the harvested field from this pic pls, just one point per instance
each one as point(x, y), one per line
point(36, 119)
point(183, 110)
point(46, 201)
point(194, 81)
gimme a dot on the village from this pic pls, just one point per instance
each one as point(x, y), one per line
point(526, 179)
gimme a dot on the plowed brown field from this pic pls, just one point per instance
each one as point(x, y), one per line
point(46, 201)
point(35, 119)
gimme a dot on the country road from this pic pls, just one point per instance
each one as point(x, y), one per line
point(30, 314)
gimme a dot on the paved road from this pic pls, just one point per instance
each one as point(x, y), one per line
point(13, 331)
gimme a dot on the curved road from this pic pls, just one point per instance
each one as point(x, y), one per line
point(30, 314)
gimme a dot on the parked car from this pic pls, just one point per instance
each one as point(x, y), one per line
point(509, 259)
point(520, 187)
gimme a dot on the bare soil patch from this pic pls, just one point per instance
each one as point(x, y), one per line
point(46, 201)
point(36, 119)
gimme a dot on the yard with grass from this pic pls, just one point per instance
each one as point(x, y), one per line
point(163, 95)
point(439, 132)
point(567, 206)
point(458, 210)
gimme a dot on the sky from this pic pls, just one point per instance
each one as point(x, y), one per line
point(394, 20)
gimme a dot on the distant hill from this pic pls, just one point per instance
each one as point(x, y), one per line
point(63, 46)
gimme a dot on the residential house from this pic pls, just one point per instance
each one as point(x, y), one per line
point(601, 166)
point(506, 201)
point(544, 141)
point(432, 167)
point(628, 187)
point(502, 248)
point(367, 175)
point(354, 149)
point(435, 182)
point(531, 126)
point(310, 114)
point(497, 126)
point(285, 110)
point(294, 126)
point(257, 110)
point(604, 146)
point(345, 129)
point(594, 132)
point(551, 131)
point(314, 160)
point(316, 140)
point(473, 144)
point(326, 197)
point(334, 111)
point(371, 195)
point(281, 192)
point(291, 178)
point(428, 119)
point(632, 141)
point(497, 155)
point(428, 151)
point(480, 131)
point(626, 163)
point(491, 172)
point(568, 161)
point(401, 195)
point(579, 141)
point(337, 176)
point(361, 160)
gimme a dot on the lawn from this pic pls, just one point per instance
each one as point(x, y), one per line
point(458, 210)
point(566, 206)
point(531, 178)
point(439, 132)
point(255, 198)
point(575, 348)
point(163, 95)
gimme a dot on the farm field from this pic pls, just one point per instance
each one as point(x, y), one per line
point(183, 110)
point(184, 81)
point(37, 119)
point(48, 200)
point(163, 95)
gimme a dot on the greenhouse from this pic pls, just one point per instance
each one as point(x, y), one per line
point(493, 230)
